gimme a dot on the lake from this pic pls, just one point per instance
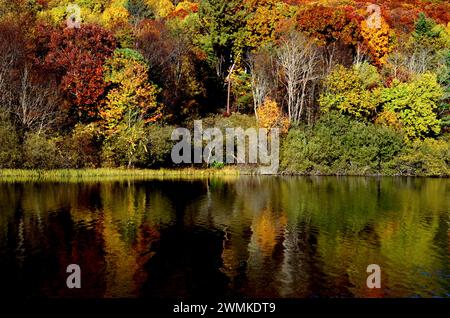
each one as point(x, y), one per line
point(289, 237)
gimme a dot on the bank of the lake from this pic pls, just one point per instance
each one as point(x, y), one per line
point(112, 174)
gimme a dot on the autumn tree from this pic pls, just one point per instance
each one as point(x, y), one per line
point(350, 28)
point(184, 8)
point(56, 12)
point(139, 10)
point(270, 116)
point(378, 40)
point(32, 98)
point(116, 15)
point(176, 64)
point(263, 19)
point(36, 104)
point(329, 24)
point(161, 8)
point(415, 103)
point(262, 66)
point(429, 44)
point(221, 22)
point(426, 49)
point(130, 104)
point(77, 57)
point(12, 56)
point(132, 97)
point(299, 60)
point(352, 91)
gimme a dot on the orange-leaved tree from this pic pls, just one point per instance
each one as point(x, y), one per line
point(271, 116)
point(378, 39)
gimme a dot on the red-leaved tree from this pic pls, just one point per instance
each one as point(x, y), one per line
point(76, 56)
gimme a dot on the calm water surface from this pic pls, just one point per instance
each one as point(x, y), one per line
point(248, 236)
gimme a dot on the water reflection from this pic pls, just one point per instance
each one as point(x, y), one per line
point(250, 236)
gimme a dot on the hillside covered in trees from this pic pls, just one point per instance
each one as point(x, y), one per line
point(356, 88)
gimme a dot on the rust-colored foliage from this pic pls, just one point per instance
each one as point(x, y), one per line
point(183, 9)
point(329, 24)
point(77, 57)
point(402, 14)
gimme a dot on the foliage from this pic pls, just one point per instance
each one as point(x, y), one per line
point(232, 121)
point(379, 41)
point(10, 147)
point(161, 8)
point(176, 66)
point(415, 104)
point(241, 90)
point(217, 165)
point(77, 56)
point(132, 95)
point(81, 147)
point(41, 152)
point(159, 145)
point(139, 10)
point(270, 116)
point(108, 89)
point(115, 16)
point(126, 147)
point(327, 24)
point(425, 27)
point(221, 23)
point(388, 118)
point(55, 11)
point(444, 105)
point(263, 19)
point(428, 157)
point(339, 145)
point(352, 91)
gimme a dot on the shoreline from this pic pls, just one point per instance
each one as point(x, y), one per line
point(112, 174)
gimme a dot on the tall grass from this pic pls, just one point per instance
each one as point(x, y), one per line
point(67, 175)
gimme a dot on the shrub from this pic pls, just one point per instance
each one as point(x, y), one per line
point(388, 118)
point(217, 165)
point(10, 147)
point(126, 147)
point(428, 157)
point(296, 152)
point(271, 116)
point(82, 146)
point(415, 104)
point(235, 120)
point(41, 152)
point(159, 145)
point(340, 145)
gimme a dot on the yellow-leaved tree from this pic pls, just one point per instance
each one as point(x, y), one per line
point(115, 15)
point(271, 116)
point(161, 8)
point(133, 97)
point(379, 40)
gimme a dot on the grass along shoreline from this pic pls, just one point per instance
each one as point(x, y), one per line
point(111, 174)
point(117, 174)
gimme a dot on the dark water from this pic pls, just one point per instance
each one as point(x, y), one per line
point(249, 236)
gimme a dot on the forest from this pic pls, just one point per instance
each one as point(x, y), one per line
point(355, 88)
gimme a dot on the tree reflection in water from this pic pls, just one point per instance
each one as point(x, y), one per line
point(247, 236)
